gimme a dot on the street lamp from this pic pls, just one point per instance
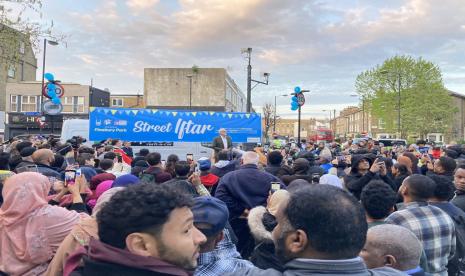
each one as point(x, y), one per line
point(274, 119)
point(248, 51)
point(53, 43)
point(190, 91)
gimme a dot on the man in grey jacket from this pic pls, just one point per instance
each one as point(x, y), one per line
point(320, 231)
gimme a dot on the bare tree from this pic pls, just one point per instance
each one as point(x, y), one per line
point(269, 120)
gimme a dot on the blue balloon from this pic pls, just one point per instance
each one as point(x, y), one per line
point(56, 100)
point(294, 99)
point(297, 89)
point(294, 104)
point(51, 90)
point(294, 108)
point(49, 76)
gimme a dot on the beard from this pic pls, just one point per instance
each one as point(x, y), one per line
point(176, 258)
point(281, 251)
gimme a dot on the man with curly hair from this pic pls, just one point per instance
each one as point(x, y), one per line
point(378, 200)
point(144, 230)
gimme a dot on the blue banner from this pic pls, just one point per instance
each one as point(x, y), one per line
point(157, 125)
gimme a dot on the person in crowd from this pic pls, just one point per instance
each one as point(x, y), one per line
point(107, 165)
point(31, 230)
point(444, 166)
point(275, 164)
point(79, 236)
point(297, 185)
point(400, 173)
point(224, 165)
point(86, 149)
point(117, 148)
point(331, 178)
point(43, 158)
point(125, 181)
point(163, 177)
point(158, 238)
point(362, 172)
point(308, 247)
point(58, 162)
point(300, 169)
point(99, 178)
point(140, 156)
point(393, 246)
point(209, 180)
point(325, 160)
point(378, 200)
point(459, 182)
point(414, 159)
point(218, 255)
point(313, 167)
point(26, 156)
point(139, 167)
point(432, 226)
point(170, 162)
point(261, 222)
point(63, 198)
point(107, 148)
point(182, 169)
point(240, 196)
point(86, 164)
point(128, 149)
point(222, 142)
point(119, 166)
point(442, 194)
point(101, 188)
point(155, 167)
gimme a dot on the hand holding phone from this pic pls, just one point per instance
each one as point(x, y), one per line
point(275, 186)
point(70, 177)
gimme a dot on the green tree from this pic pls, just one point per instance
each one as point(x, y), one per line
point(425, 104)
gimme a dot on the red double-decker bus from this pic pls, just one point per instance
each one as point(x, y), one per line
point(321, 134)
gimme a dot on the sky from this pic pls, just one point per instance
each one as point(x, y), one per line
point(319, 45)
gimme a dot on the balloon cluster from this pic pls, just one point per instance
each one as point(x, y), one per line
point(294, 100)
point(52, 91)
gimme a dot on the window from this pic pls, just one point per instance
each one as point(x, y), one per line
point(29, 103)
point(381, 124)
point(22, 47)
point(73, 104)
point(11, 71)
point(13, 103)
point(78, 104)
point(117, 102)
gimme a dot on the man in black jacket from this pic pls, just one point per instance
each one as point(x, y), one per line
point(363, 172)
point(459, 182)
point(275, 166)
point(222, 142)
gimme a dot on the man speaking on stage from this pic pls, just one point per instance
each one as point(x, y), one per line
point(222, 142)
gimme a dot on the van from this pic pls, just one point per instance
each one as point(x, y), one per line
point(392, 142)
point(80, 127)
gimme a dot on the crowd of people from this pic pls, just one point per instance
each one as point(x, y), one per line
point(319, 209)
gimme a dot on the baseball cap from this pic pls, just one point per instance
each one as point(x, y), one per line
point(210, 211)
point(204, 164)
point(27, 151)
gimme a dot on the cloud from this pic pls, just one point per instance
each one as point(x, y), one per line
point(320, 45)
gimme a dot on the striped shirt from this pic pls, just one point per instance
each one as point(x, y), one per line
point(435, 230)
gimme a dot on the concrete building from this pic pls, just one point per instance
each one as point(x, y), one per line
point(23, 107)
point(192, 88)
point(289, 127)
point(127, 100)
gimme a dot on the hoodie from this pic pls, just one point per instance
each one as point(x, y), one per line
point(355, 181)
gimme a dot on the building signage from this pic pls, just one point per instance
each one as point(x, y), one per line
point(156, 125)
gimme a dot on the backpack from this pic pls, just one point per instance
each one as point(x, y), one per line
point(456, 265)
point(147, 177)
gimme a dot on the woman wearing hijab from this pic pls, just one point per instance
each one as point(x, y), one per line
point(101, 188)
point(79, 235)
point(31, 230)
point(261, 222)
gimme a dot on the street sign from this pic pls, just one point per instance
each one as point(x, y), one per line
point(300, 99)
point(52, 109)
